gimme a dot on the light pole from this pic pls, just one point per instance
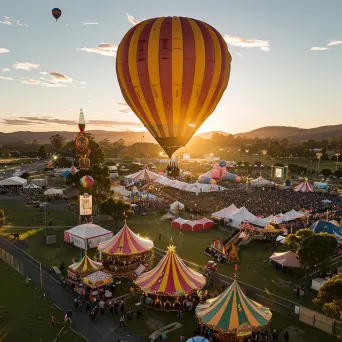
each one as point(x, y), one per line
point(319, 156)
point(246, 152)
point(337, 155)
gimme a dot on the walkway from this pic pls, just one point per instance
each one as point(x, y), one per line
point(102, 330)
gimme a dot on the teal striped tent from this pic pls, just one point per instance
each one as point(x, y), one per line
point(233, 313)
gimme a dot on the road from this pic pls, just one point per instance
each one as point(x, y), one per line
point(102, 330)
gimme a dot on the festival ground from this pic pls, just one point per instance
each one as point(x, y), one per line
point(254, 268)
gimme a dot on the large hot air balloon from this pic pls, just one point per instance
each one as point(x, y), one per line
point(172, 72)
point(56, 12)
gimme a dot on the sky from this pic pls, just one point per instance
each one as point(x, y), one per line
point(286, 67)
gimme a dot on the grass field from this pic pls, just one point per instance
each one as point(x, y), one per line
point(24, 314)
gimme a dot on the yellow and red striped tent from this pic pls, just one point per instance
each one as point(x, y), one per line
point(85, 266)
point(125, 242)
point(233, 312)
point(170, 277)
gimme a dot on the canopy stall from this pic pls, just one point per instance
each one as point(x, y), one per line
point(167, 216)
point(329, 227)
point(291, 216)
point(125, 252)
point(170, 279)
point(304, 187)
point(13, 181)
point(192, 226)
point(176, 206)
point(233, 315)
point(98, 279)
point(87, 236)
point(286, 259)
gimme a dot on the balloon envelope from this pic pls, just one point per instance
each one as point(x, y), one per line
point(172, 72)
point(87, 181)
point(56, 12)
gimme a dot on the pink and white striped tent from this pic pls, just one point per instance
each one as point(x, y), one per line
point(304, 187)
point(143, 175)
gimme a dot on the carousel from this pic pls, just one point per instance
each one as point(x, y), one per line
point(232, 315)
point(126, 254)
point(80, 269)
point(171, 285)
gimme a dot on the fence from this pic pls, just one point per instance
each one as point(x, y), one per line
point(12, 261)
point(276, 303)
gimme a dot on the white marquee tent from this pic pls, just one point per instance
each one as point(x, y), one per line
point(176, 206)
point(12, 181)
point(225, 212)
point(291, 215)
point(240, 216)
point(87, 236)
point(259, 182)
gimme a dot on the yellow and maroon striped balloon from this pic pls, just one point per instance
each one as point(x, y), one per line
point(172, 72)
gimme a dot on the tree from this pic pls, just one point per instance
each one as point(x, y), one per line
point(2, 217)
point(57, 142)
point(338, 173)
point(62, 162)
point(313, 250)
point(116, 208)
point(330, 297)
point(274, 149)
point(25, 175)
point(42, 153)
point(326, 172)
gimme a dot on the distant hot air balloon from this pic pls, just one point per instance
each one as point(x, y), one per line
point(56, 12)
point(87, 181)
point(172, 72)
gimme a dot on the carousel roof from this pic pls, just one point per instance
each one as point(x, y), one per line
point(171, 276)
point(143, 175)
point(231, 310)
point(85, 266)
point(125, 242)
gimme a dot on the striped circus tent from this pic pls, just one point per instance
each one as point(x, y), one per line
point(85, 266)
point(233, 313)
point(304, 187)
point(143, 175)
point(170, 277)
point(125, 242)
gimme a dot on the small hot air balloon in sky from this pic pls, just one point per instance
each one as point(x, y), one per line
point(81, 122)
point(172, 72)
point(56, 12)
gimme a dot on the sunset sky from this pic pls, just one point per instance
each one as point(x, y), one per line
point(286, 68)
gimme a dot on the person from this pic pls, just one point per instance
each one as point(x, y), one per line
point(122, 321)
point(129, 314)
point(180, 317)
point(88, 307)
point(274, 336)
point(160, 237)
point(53, 320)
point(116, 308)
point(50, 222)
point(27, 281)
point(111, 308)
point(286, 336)
point(102, 306)
point(297, 291)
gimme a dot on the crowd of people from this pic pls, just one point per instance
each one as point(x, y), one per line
point(259, 201)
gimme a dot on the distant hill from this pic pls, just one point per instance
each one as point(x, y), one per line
point(280, 132)
point(272, 132)
point(43, 137)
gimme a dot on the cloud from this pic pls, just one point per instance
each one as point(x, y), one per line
point(239, 54)
point(26, 66)
point(3, 50)
point(132, 20)
point(104, 49)
point(123, 107)
point(317, 48)
point(31, 120)
point(263, 45)
point(335, 42)
point(30, 81)
point(53, 85)
point(83, 83)
point(5, 70)
point(12, 21)
point(88, 22)
point(57, 78)
point(6, 78)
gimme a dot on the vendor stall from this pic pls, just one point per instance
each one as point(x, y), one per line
point(97, 283)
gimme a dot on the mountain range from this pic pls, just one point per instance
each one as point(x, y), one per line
point(271, 132)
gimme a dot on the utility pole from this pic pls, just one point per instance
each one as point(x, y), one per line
point(45, 217)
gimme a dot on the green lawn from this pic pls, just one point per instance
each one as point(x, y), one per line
point(24, 314)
